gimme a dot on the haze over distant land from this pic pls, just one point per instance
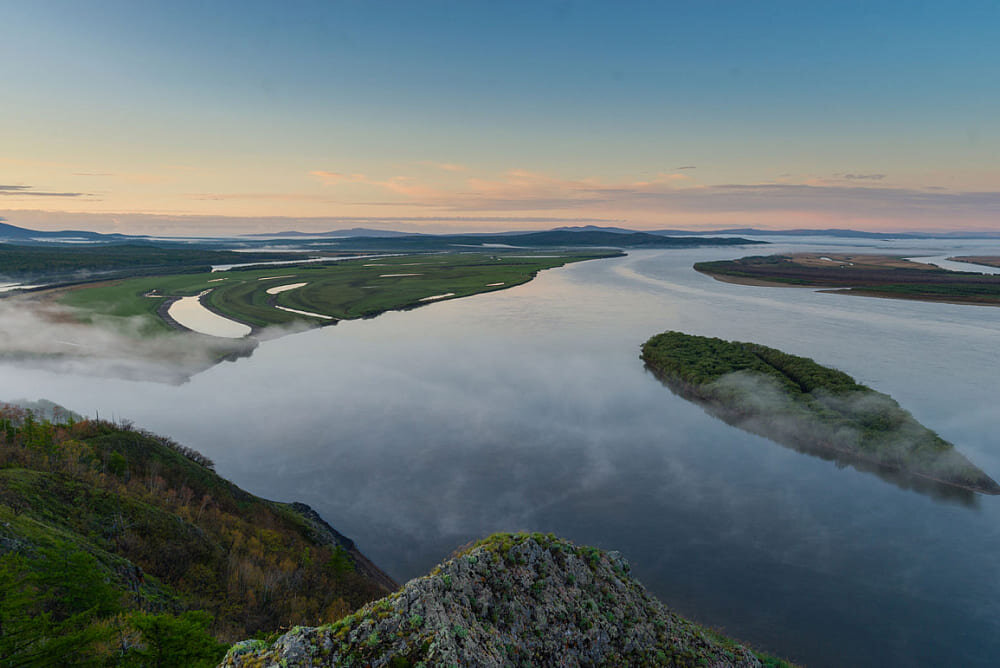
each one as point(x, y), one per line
point(471, 117)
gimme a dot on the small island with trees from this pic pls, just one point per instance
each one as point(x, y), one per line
point(798, 403)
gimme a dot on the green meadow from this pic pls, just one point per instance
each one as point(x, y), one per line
point(338, 290)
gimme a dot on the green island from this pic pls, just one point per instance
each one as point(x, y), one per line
point(119, 547)
point(323, 292)
point(796, 402)
point(860, 274)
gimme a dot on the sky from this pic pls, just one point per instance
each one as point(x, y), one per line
point(212, 117)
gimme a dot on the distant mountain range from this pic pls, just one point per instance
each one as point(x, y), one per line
point(829, 232)
point(367, 239)
point(570, 235)
point(835, 232)
point(13, 233)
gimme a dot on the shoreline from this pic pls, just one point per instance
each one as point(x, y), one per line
point(857, 292)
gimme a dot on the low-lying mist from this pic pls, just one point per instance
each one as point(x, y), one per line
point(41, 333)
point(866, 430)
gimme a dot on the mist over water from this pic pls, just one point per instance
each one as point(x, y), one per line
point(529, 408)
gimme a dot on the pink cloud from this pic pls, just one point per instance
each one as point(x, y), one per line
point(446, 166)
point(333, 178)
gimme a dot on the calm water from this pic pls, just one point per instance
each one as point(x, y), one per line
point(529, 409)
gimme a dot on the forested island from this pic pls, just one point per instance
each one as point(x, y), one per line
point(796, 402)
point(858, 274)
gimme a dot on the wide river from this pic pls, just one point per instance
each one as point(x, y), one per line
point(529, 408)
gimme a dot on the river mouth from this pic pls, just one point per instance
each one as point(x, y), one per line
point(191, 314)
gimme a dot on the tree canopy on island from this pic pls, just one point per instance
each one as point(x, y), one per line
point(797, 402)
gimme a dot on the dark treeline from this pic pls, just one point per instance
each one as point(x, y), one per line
point(17, 261)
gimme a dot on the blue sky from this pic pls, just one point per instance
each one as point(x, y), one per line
point(878, 115)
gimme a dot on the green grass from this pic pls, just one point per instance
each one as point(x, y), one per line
point(342, 290)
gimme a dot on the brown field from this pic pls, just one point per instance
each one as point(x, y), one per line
point(860, 274)
point(986, 260)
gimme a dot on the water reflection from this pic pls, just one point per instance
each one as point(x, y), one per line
point(192, 314)
point(799, 437)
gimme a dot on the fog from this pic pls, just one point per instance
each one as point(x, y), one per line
point(38, 332)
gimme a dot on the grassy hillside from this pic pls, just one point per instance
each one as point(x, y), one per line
point(795, 401)
point(121, 547)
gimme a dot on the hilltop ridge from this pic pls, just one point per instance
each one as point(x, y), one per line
point(510, 600)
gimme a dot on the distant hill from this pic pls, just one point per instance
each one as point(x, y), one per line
point(585, 235)
point(836, 232)
point(615, 239)
point(10, 232)
point(526, 240)
point(594, 228)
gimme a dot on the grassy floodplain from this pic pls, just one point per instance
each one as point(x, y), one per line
point(867, 275)
point(812, 408)
point(338, 290)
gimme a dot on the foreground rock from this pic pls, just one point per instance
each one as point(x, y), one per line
point(511, 600)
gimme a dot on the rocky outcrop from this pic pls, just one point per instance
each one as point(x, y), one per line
point(511, 600)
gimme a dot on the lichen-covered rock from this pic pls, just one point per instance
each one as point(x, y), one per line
point(511, 600)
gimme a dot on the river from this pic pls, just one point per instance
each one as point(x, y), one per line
point(529, 408)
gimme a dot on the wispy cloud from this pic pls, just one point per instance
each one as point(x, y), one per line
point(445, 166)
point(334, 178)
point(29, 191)
point(858, 198)
point(403, 185)
point(279, 197)
point(688, 167)
point(863, 177)
point(848, 196)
